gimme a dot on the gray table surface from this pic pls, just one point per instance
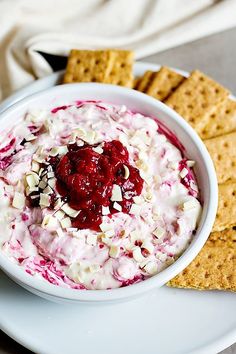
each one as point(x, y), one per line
point(214, 55)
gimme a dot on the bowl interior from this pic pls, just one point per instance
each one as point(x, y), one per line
point(194, 149)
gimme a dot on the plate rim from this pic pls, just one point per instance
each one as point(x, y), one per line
point(228, 338)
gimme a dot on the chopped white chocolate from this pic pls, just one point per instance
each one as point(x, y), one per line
point(48, 190)
point(117, 206)
point(65, 223)
point(135, 209)
point(42, 184)
point(104, 226)
point(183, 173)
point(190, 204)
point(137, 254)
point(18, 200)
point(114, 251)
point(70, 211)
point(58, 150)
point(31, 137)
point(127, 173)
point(44, 200)
point(49, 222)
point(159, 232)
point(94, 268)
point(142, 165)
point(59, 214)
point(91, 239)
point(135, 235)
point(190, 163)
point(31, 180)
point(116, 195)
point(105, 210)
point(90, 136)
point(144, 262)
point(35, 166)
point(98, 149)
point(138, 200)
point(148, 196)
point(60, 232)
point(147, 245)
point(50, 174)
point(110, 233)
point(106, 240)
point(52, 182)
point(58, 204)
point(151, 268)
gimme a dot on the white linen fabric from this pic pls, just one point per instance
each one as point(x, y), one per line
point(56, 26)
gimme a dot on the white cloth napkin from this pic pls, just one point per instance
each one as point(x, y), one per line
point(56, 26)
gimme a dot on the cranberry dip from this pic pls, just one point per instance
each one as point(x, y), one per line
point(94, 196)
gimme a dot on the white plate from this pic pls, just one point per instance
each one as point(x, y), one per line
point(164, 321)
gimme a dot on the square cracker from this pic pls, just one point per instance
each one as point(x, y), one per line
point(163, 83)
point(214, 268)
point(88, 65)
point(221, 120)
point(122, 69)
point(195, 97)
point(144, 81)
point(226, 213)
point(223, 153)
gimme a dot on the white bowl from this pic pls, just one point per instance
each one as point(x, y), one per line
point(196, 150)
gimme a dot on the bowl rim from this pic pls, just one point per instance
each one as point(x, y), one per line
point(50, 290)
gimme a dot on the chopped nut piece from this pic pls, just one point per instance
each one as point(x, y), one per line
point(126, 175)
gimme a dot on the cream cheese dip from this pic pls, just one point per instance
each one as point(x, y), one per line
point(94, 196)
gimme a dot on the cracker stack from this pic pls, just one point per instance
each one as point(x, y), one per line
point(106, 66)
point(206, 106)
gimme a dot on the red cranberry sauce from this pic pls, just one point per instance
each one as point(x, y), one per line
point(85, 179)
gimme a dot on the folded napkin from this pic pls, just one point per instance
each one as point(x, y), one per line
point(55, 26)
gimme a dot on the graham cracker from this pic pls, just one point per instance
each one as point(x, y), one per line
point(214, 268)
point(136, 82)
point(163, 83)
point(197, 96)
point(145, 81)
point(89, 65)
point(221, 120)
point(223, 153)
point(226, 213)
point(122, 69)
